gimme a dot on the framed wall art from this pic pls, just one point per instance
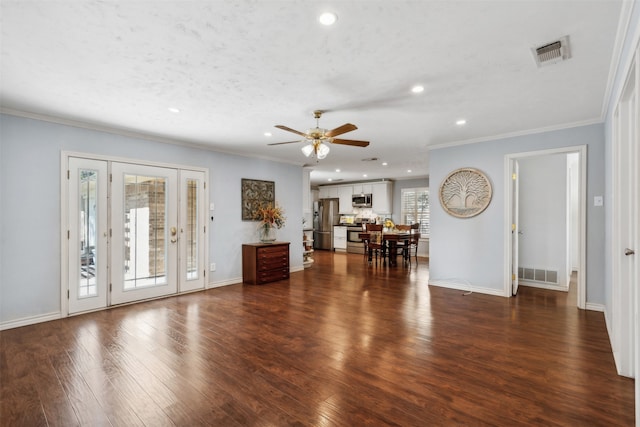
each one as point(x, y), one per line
point(255, 194)
point(465, 193)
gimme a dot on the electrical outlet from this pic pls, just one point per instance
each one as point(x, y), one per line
point(212, 267)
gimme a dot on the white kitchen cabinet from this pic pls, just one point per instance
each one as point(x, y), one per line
point(328, 192)
point(365, 188)
point(340, 238)
point(382, 195)
point(344, 194)
point(381, 192)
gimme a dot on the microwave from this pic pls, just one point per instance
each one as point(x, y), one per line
point(361, 200)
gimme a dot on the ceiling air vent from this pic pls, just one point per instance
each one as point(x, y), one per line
point(552, 53)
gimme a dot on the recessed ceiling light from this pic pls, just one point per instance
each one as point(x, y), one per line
point(408, 170)
point(337, 170)
point(328, 18)
point(267, 134)
point(384, 163)
point(417, 89)
point(174, 110)
point(461, 122)
point(364, 175)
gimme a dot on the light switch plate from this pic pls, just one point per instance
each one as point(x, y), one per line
point(212, 207)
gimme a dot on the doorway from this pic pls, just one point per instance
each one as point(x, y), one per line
point(533, 263)
point(134, 231)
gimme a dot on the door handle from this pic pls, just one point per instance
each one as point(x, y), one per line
point(628, 252)
point(174, 231)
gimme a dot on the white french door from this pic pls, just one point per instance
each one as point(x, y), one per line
point(193, 216)
point(87, 234)
point(141, 236)
point(144, 216)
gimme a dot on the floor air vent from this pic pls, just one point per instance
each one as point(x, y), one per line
point(552, 53)
point(538, 275)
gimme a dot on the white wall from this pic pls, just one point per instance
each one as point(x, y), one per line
point(470, 252)
point(30, 200)
point(543, 214)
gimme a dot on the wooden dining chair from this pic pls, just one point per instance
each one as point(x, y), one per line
point(404, 246)
point(414, 239)
point(376, 243)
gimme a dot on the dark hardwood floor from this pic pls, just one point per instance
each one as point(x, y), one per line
point(341, 343)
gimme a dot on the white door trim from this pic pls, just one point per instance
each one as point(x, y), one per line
point(508, 220)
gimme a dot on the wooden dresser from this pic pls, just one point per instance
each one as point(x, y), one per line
point(265, 262)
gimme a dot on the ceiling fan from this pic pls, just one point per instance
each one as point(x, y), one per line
point(318, 137)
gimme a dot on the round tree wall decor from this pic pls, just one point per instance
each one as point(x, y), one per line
point(465, 193)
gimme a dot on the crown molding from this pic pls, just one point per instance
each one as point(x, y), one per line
point(516, 134)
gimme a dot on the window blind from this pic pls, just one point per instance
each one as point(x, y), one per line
point(415, 208)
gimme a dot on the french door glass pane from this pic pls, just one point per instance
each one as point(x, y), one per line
point(145, 231)
point(192, 229)
point(88, 218)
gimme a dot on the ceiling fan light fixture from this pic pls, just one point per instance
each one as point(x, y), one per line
point(307, 150)
point(322, 150)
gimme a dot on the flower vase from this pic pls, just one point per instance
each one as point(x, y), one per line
point(267, 233)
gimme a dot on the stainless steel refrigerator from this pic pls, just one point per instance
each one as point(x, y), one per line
point(325, 216)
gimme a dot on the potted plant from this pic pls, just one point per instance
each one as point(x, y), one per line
point(271, 217)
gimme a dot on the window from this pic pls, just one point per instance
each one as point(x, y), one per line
point(414, 207)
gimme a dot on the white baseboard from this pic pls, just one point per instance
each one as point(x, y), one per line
point(596, 307)
point(227, 282)
point(464, 286)
point(543, 285)
point(32, 320)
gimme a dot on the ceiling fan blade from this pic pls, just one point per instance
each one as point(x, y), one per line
point(351, 142)
point(288, 129)
point(347, 127)
point(280, 143)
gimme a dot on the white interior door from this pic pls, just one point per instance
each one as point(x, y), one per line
point(625, 236)
point(87, 234)
point(193, 214)
point(144, 212)
point(515, 232)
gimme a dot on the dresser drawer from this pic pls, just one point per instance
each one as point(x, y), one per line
point(273, 275)
point(270, 250)
point(267, 255)
point(273, 263)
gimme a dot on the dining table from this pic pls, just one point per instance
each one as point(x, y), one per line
point(390, 241)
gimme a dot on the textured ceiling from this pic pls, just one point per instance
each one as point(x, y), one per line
point(237, 68)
